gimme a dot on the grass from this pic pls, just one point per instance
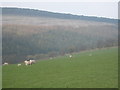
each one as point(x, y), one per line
point(0, 77)
point(81, 71)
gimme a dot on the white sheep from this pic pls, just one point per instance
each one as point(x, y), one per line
point(19, 65)
point(5, 63)
point(32, 61)
point(70, 56)
point(27, 62)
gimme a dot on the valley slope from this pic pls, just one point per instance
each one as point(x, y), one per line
point(35, 35)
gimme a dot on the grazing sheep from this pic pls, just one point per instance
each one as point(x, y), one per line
point(27, 62)
point(19, 65)
point(5, 63)
point(70, 56)
point(32, 61)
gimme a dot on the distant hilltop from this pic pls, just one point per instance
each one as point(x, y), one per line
point(40, 13)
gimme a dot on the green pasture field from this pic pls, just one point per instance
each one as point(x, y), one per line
point(0, 77)
point(90, 69)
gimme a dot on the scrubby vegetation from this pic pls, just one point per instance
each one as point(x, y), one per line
point(43, 37)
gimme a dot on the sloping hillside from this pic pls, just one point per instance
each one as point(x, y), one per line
point(81, 71)
point(39, 13)
point(39, 36)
